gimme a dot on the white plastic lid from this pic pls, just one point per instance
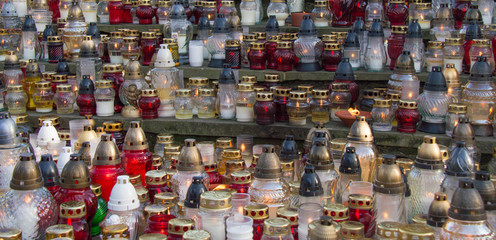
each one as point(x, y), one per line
point(123, 196)
point(164, 57)
point(47, 134)
point(64, 157)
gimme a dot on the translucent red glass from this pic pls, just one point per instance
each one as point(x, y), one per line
point(466, 58)
point(285, 59)
point(215, 177)
point(86, 104)
point(126, 13)
point(54, 85)
point(342, 12)
point(397, 13)
point(83, 195)
point(459, 9)
point(106, 175)
point(407, 120)
point(359, 10)
point(270, 48)
point(394, 48)
point(331, 59)
point(137, 162)
point(240, 188)
point(115, 9)
point(155, 189)
point(233, 56)
point(365, 217)
point(80, 226)
point(265, 112)
point(53, 190)
point(257, 59)
point(117, 80)
point(354, 89)
point(145, 14)
point(493, 45)
point(149, 106)
point(159, 224)
point(197, 12)
point(258, 227)
point(53, 6)
point(281, 110)
point(147, 50)
point(294, 231)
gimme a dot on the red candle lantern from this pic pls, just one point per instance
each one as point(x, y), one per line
point(291, 214)
point(214, 175)
point(257, 56)
point(74, 213)
point(145, 12)
point(265, 108)
point(86, 99)
point(156, 182)
point(258, 212)
point(407, 116)
point(116, 10)
point(75, 185)
point(284, 56)
point(331, 56)
point(281, 100)
point(149, 103)
point(127, 17)
point(270, 48)
point(178, 226)
point(342, 12)
point(106, 165)
point(148, 45)
point(360, 210)
point(459, 9)
point(344, 74)
point(397, 12)
point(115, 129)
point(233, 53)
point(159, 224)
point(240, 181)
point(136, 159)
point(395, 43)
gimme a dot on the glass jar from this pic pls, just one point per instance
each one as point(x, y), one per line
point(164, 10)
point(284, 56)
point(340, 98)
point(375, 54)
point(331, 56)
point(298, 108)
point(245, 48)
point(382, 115)
point(43, 97)
point(455, 112)
point(55, 49)
point(129, 49)
point(245, 103)
point(233, 53)
point(16, 99)
point(351, 50)
point(259, 213)
point(270, 48)
point(206, 103)
point(126, 11)
point(407, 116)
point(103, 12)
point(240, 181)
point(397, 12)
point(64, 99)
point(375, 10)
point(415, 44)
point(277, 229)
point(145, 12)
point(423, 12)
point(279, 9)
point(113, 72)
point(104, 97)
point(257, 56)
point(210, 9)
point(481, 48)
point(248, 10)
point(115, 10)
point(308, 47)
point(320, 106)
point(342, 12)
point(183, 104)
point(148, 46)
point(115, 46)
point(281, 100)
point(395, 44)
point(321, 15)
point(89, 8)
point(453, 53)
point(264, 108)
point(215, 208)
point(434, 55)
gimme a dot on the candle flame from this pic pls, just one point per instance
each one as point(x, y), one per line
point(297, 104)
point(480, 54)
point(354, 112)
point(220, 187)
point(410, 95)
point(242, 147)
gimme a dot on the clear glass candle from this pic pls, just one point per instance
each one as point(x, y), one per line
point(382, 115)
point(206, 103)
point(307, 213)
point(16, 99)
point(102, 12)
point(453, 53)
point(434, 56)
point(183, 104)
point(43, 97)
point(481, 48)
point(245, 103)
point(248, 10)
point(423, 12)
point(320, 106)
point(414, 44)
point(279, 9)
point(351, 49)
point(215, 208)
point(298, 108)
point(375, 53)
point(104, 97)
point(340, 98)
point(64, 99)
point(321, 15)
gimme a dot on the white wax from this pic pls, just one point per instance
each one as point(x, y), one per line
point(90, 16)
point(181, 42)
point(64, 13)
point(104, 19)
point(226, 112)
point(248, 17)
point(22, 9)
point(166, 110)
point(302, 231)
point(425, 24)
point(206, 54)
point(244, 114)
point(217, 229)
point(116, 59)
point(374, 64)
point(196, 55)
point(321, 23)
point(105, 108)
point(239, 232)
point(433, 62)
point(40, 25)
point(418, 66)
point(28, 53)
point(457, 62)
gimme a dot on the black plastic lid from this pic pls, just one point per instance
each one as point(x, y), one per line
point(467, 204)
point(48, 32)
point(350, 164)
point(486, 189)
point(473, 31)
point(272, 24)
point(220, 24)
point(376, 29)
point(351, 39)
point(49, 170)
point(435, 80)
point(177, 11)
point(359, 25)
point(481, 70)
point(461, 163)
point(196, 188)
point(63, 67)
point(310, 185)
point(93, 31)
point(307, 27)
point(29, 24)
point(344, 70)
point(414, 30)
point(289, 149)
point(86, 86)
point(226, 75)
point(203, 22)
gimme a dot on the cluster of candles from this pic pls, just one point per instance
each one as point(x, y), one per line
point(79, 183)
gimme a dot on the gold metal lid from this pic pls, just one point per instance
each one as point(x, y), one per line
point(198, 81)
point(272, 77)
point(429, 154)
point(331, 46)
point(290, 214)
point(156, 177)
point(337, 211)
point(382, 103)
point(96, 188)
point(197, 234)
point(54, 39)
point(152, 236)
point(257, 46)
point(420, 219)
point(164, 138)
point(112, 126)
point(256, 211)
point(341, 35)
point(180, 225)
point(133, 32)
point(241, 177)
point(249, 37)
point(371, 94)
point(320, 93)
point(135, 137)
point(248, 80)
point(360, 201)
point(54, 118)
point(330, 38)
point(233, 43)
point(265, 96)
point(276, 227)
point(117, 230)
point(10, 234)
point(305, 88)
point(22, 118)
point(273, 38)
point(398, 29)
point(155, 209)
point(207, 92)
point(340, 87)
point(388, 229)
point(352, 229)
point(15, 88)
point(170, 42)
point(116, 34)
point(103, 84)
point(284, 45)
point(435, 44)
point(112, 68)
point(72, 209)
point(258, 89)
point(285, 36)
point(457, 108)
point(438, 210)
point(209, 4)
point(423, 6)
point(59, 230)
point(42, 85)
point(416, 231)
point(337, 144)
point(166, 198)
point(283, 91)
point(59, 78)
point(130, 40)
point(215, 200)
point(287, 166)
point(481, 43)
point(408, 104)
point(320, 3)
point(245, 87)
point(75, 174)
point(261, 35)
point(142, 193)
point(453, 41)
point(145, 3)
point(298, 95)
point(149, 92)
point(183, 92)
